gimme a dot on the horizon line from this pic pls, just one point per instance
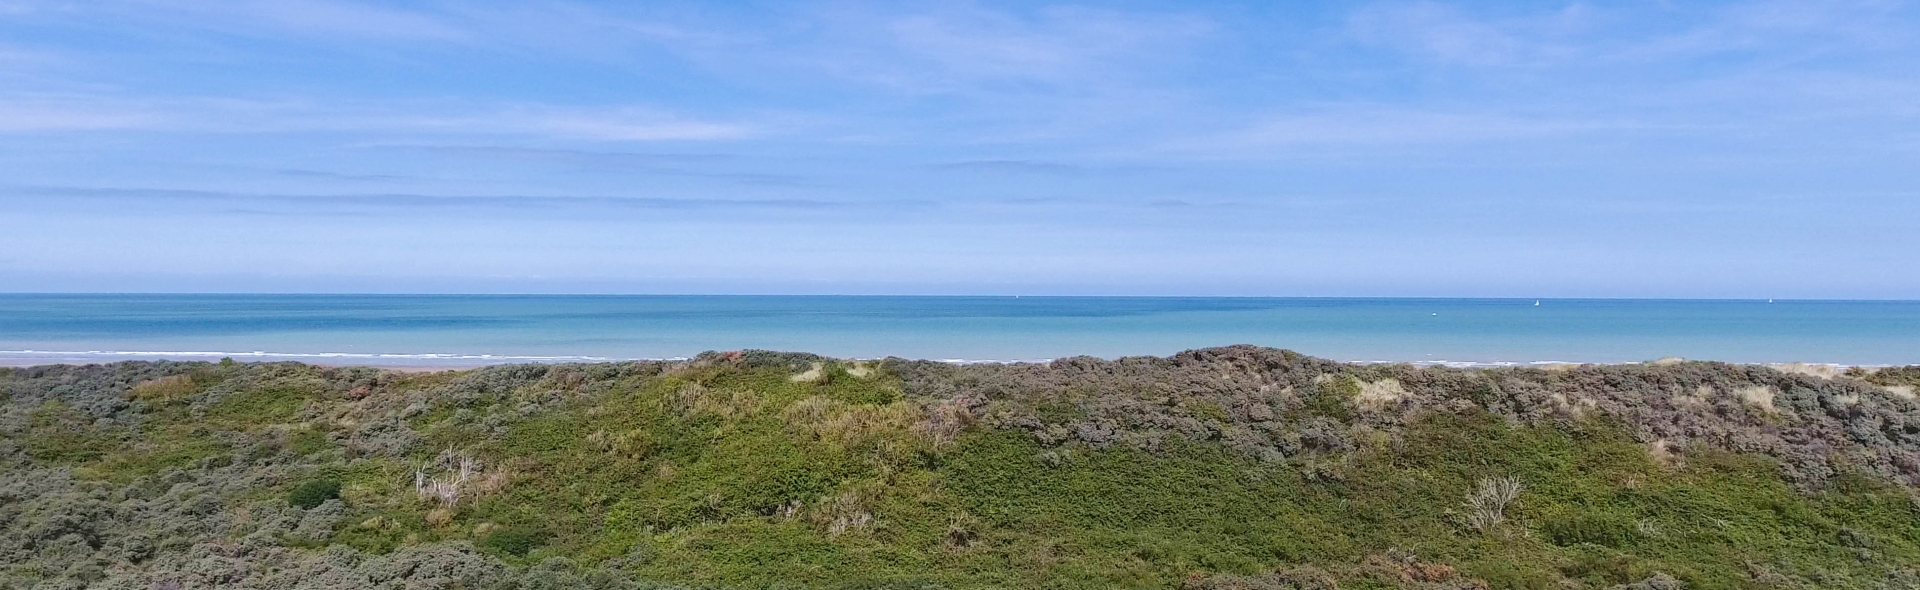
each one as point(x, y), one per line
point(934, 296)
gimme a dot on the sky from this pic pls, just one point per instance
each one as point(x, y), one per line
point(1511, 149)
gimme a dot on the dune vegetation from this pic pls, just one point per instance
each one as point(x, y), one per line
point(1235, 467)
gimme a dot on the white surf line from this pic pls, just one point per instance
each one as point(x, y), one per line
point(75, 354)
point(305, 355)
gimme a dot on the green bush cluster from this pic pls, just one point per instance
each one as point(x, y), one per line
point(312, 493)
point(1605, 529)
point(1221, 468)
point(514, 541)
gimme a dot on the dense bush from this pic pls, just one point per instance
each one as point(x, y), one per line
point(1609, 530)
point(313, 492)
point(1233, 467)
point(514, 541)
point(1272, 401)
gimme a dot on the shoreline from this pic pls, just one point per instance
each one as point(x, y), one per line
point(763, 453)
point(431, 362)
point(456, 332)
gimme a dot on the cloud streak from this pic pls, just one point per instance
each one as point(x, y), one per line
point(372, 203)
point(868, 130)
point(1015, 167)
point(44, 113)
point(686, 165)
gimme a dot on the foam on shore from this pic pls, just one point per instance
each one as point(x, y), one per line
point(464, 360)
point(374, 359)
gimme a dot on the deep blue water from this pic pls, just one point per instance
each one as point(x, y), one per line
point(474, 329)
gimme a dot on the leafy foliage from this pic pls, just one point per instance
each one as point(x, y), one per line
point(312, 493)
point(1219, 468)
point(514, 541)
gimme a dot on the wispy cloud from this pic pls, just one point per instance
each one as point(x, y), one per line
point(1444, 33)
point(17, 7)
point(1586, 36)
point(578, 158)
point(619, 125)
point(590, 123)
point(14, 57)
point(1813, 27)
point(300, 173)
point(973, 48)
point(301, 204)
point(1082, 127)
point(1054, 45)
point(48, 114)
point(1345, 128)
point(258, 116)
point(311, 18)
point(689, 165)
point(327, 17)
point(1015, 167)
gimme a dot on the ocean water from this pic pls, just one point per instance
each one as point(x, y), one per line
point(433, 330)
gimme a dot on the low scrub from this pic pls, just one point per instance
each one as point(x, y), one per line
point(1220, 468)
point(314, 492)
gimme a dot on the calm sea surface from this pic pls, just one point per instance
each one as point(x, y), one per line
point(414, 330)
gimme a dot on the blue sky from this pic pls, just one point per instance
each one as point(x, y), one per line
point(1528, 149)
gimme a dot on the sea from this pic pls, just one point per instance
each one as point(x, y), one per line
point(469, 330)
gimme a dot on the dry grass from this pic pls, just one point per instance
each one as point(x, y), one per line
point(1575, 407)
point(846, 511)
point(694, 399)
point(850, 424)
point(453, 477)
point(944, 422)
point(1758, 396)
point(633, 444)
point(1487, 505)
point(1662, 452)
point(861, 370)
point(1700, 397)
point(1823, 371)
point(164, 388)
point(963, 530)
point(812, 375)
point(1380, 394)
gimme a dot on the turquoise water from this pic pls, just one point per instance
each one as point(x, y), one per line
point(415, 330)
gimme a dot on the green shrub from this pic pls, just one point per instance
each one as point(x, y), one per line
point(313, 493)
point(307, 442)
point(1210, 410)
point(1599, 529)
point(164, 388)
point(730, 473)
point(1057, 412)
point(60, 434)
point(517, 542)
point(1333, 399)
point(270, 405)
